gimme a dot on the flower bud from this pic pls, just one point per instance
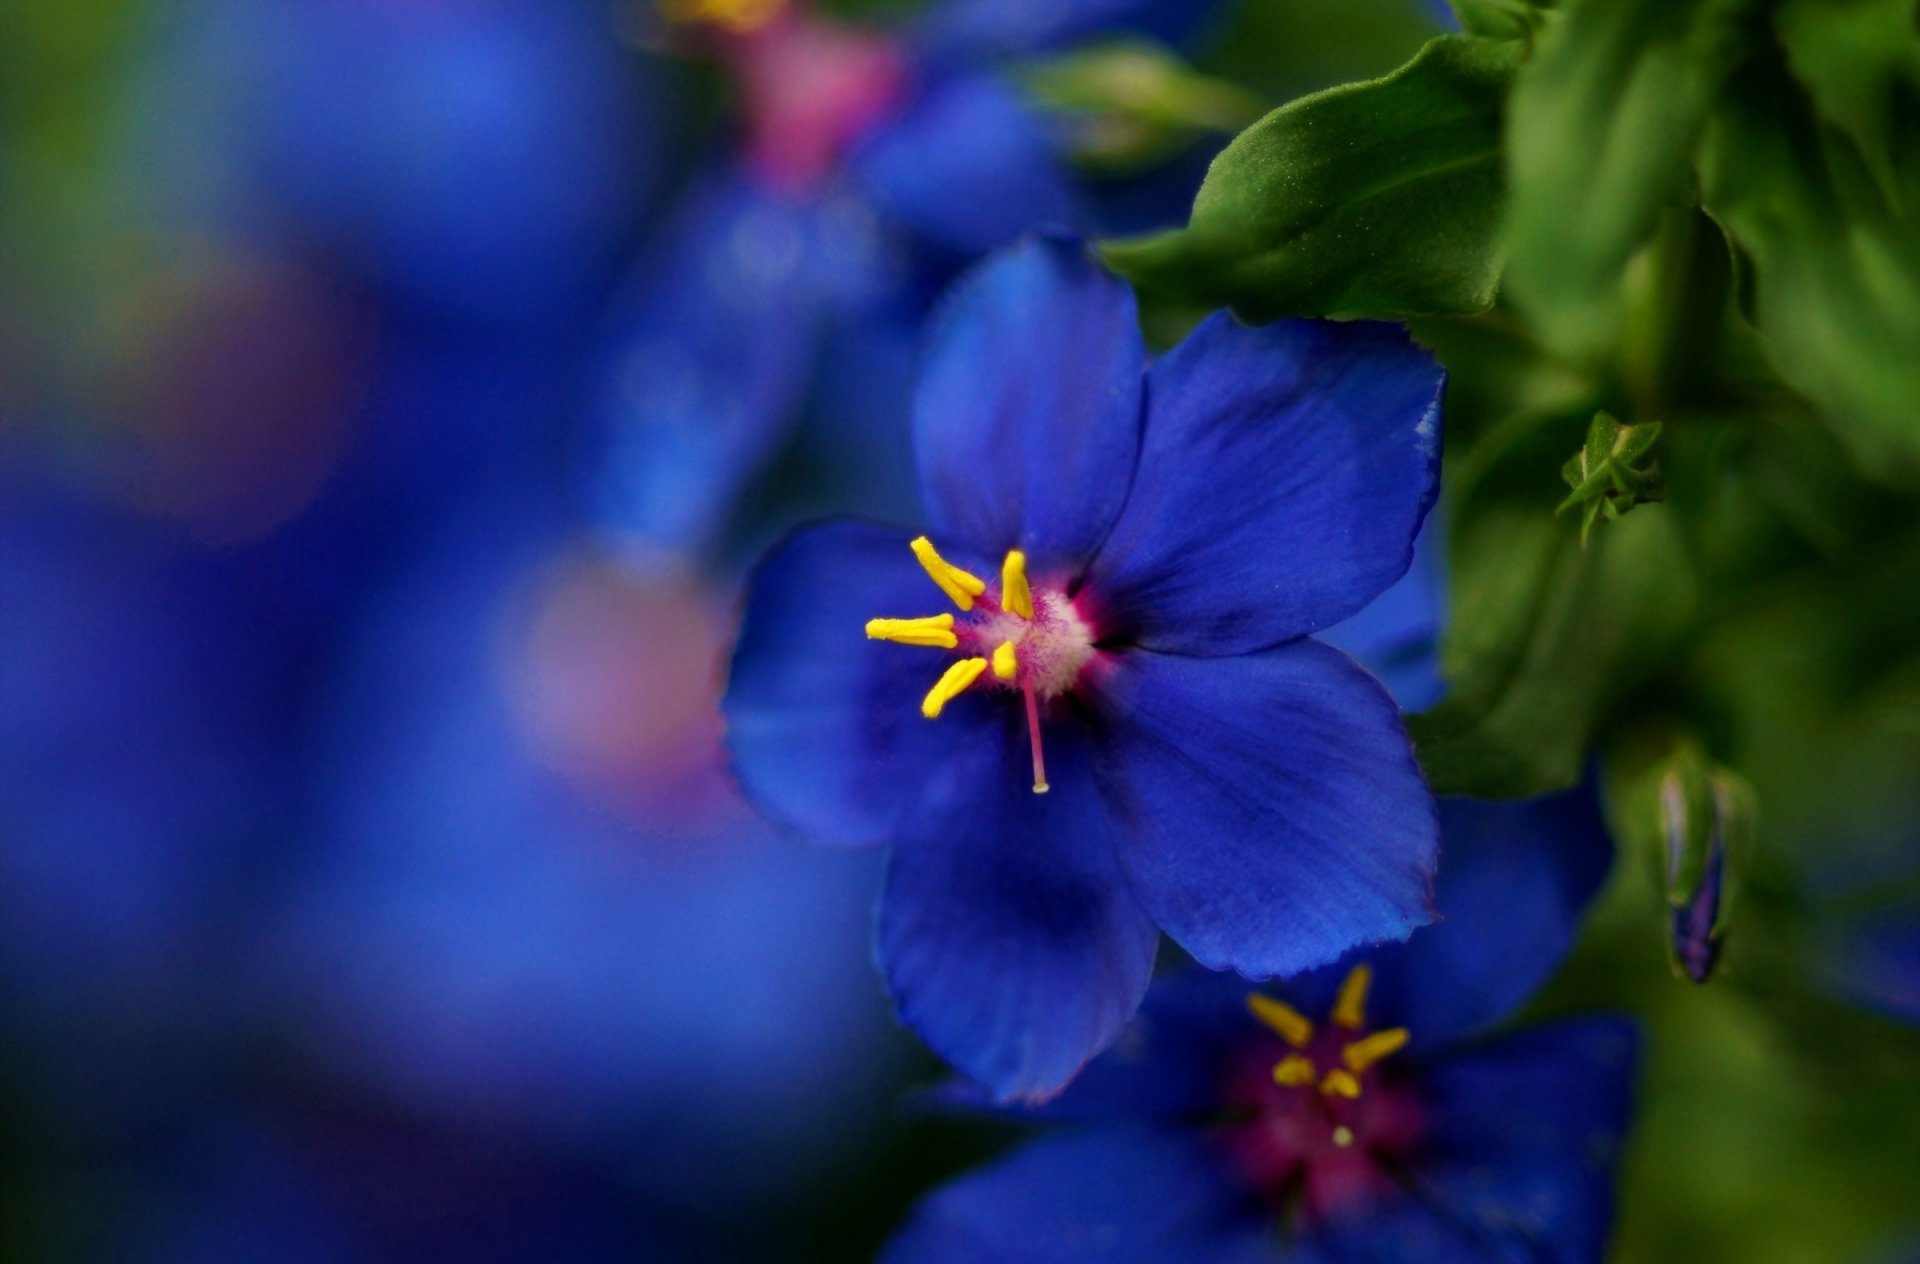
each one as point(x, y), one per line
point(1694, 819)
point(1706, 817)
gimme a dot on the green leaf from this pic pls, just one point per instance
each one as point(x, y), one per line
point(1543, 635)
point(1601, 134)
point(1376, 199)
point(1836, 267)
point(1860, 62)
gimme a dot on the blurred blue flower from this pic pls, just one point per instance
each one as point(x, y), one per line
point(337, 1186)
point(1359, 1113)
point(144, 758)
point(540, 909)
point(471, 160)
point(1871, 956)
point(1170, 539)
point(869, 165)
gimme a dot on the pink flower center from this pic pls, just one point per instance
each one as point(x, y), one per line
point(1028, 641)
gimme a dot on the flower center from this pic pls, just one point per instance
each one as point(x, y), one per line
point(1021, 640)
point(809, 88)
point(1321, 1123)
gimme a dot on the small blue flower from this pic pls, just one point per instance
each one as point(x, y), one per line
point(1346, 1116)
point(868, 165)
point(1157, 547)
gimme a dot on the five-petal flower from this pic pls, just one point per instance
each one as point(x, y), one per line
point(1346, 1116)
point(1156, 547)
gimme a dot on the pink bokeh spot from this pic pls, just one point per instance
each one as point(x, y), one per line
point(810, 90)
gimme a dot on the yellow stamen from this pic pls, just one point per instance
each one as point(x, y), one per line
point(953, 581)
point(1014, 593)
point(1342, 1136)
point(1287, 1022)
point(1350, 1011)
point(935, 630)
point(739, 16)
point(1362, 1054)
point(1005, 661)
point(1339, 1083)
point(1293, 1071)
point(952, 685)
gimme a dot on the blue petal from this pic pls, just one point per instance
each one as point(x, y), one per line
point(968, 168)
point(1283, 476)
point(1108, 1195)
point(1008, 936)
point(1166, 1065)
point(825, 726)
point(1275, 815)
point(963, 29)
point(1524, 1135)
point(1027, 419)
point(1407, 1230)
point(1397, 635)
point(1515, 879)
point(709, 366)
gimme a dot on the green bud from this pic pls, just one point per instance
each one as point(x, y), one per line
point(1693, 818)
point(1131, 102)
point(1603, 474)
point(1499, 19)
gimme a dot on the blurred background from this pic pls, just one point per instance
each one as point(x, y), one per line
point(393, 394)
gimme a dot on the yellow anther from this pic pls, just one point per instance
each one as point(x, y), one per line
point(1350, 1010)
point(1005, 661)
point(1342, 1136)
point(952, 685)
point(935, 630)
point(1287, 1022)
point(953, 581)
point(1339, 1083)
point(1014, 593)
point(1293, 1071)
point(734, 15)
point(1362, 1054)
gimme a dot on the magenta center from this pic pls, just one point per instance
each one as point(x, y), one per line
point(1330, 1154)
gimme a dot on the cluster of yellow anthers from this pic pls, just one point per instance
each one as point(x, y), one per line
point(936, 631)
point(738, 16)
point(1009, 621)
point(1297, 1070)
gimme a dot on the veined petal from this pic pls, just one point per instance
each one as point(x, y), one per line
point(1027, 418)
point(1284, 473)
point(1113, 1194)
point(708, 366)
point(1166, 1066)
point(969, 167)
point(1524, 1136)
point(1008, 935)
point(824, 725)
point(1515, 879)
point(1274, 815)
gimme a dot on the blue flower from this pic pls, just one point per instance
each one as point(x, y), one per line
point(869, 165)
point(523, 815)
point(1157, 547)
point(1357, 1114)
